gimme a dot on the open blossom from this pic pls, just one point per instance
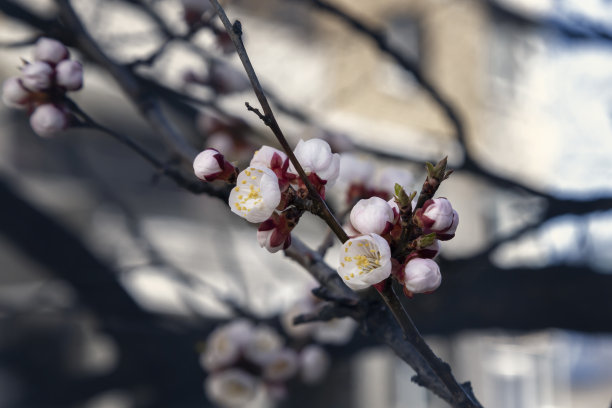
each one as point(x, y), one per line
point(14, 94)
point(37, 76)
point(364, 261)
point(50, 51)
point(224, 345)
point(281, 366)
point(314, 363)
point(231, 388)
point(263, 345)
point(316, 156)
point(372, 216)
point(437, 215)
point(256, 194)
point(48, 119)
point(421, 275)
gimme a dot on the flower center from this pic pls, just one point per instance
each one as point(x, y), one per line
point(365, 262)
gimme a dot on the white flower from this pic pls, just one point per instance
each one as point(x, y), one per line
point(315, 156)
point(269, 157)
point(314, 363)
point(335, 331)
point(364, 261)
point(14, 94)
point(450, 231)
point(422, 275)
point(256, 194)
point(224, 345)
point(50, 50)
point(354, 170)
point(437, 215)
point(69, 74)
point(48, 119)
point(208, 164)
point(37, 76)
point(300, 307)
point(372, 216)
point(273, 237)
point(390, 175)
point(263, 345)
point(231, 388)
point(281, 366)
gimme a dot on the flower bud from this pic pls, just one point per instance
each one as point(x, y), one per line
point(438, 216)
point(14, 94)
point(365, 261)
point(256, 194)
point(37, 76)
point(231, 388)
point(372, 216)
point(274, 234)
point(208, 164)
point(48, 119)
point(395, 208)
point(315, 156)
point(314, 363)
point(50, 51)
point(421, 276)
point(281, 366)
point(69, 74)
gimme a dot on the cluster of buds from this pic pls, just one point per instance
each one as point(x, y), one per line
point(243, 360)
point(393, 239)
point(265, 192)
point(42, 85)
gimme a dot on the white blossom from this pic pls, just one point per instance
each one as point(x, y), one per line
point(231, 388)
point(224, 345)
point(48, 119)
point(300, 307)
point(315, 156)
point(389, 176)
point(69, 74)
point(372, 216)
point(256, 194)
point(14, 94)
point(50, 50)
point(208, 164)
point(335, 331)
point(263, 345)
point(364, 261)
point(354, 170)
point(37, 76)
point(422, 275)
point(438, 215)
point(314, 363)
point(265, 157)
point(281, 366)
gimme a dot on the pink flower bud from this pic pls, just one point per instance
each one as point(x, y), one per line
point(48, 119)
point(37, 76)
point(50, 50)
point(421, 276)
point(395, 208)
point(372, 216)
point(14, 94)
point(208, 164)
point(69, 74)
point(438, 216)
point(273, 234)
point(316, 156)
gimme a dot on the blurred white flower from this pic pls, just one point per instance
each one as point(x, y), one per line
point(372, 216)
point(50, 51)
point(69, 74)
point(37, 76)
point(224, 345)
point(281, 366)
point(231, 388)
point(48, 119)
point(315, 156)
point(365, 260)
point(354, 170)
point(263, 345)
point(300, 307)
point(335, 331)
point(314, 363)
point(256, 194)
point(14, 94)
point(388, 176)
point(422, 275)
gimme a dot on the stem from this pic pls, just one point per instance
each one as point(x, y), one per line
point(235, 33)
point(442, 370)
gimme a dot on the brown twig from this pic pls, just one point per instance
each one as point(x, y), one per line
point(235, 33)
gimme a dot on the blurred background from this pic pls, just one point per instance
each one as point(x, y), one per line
point(112, 277)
